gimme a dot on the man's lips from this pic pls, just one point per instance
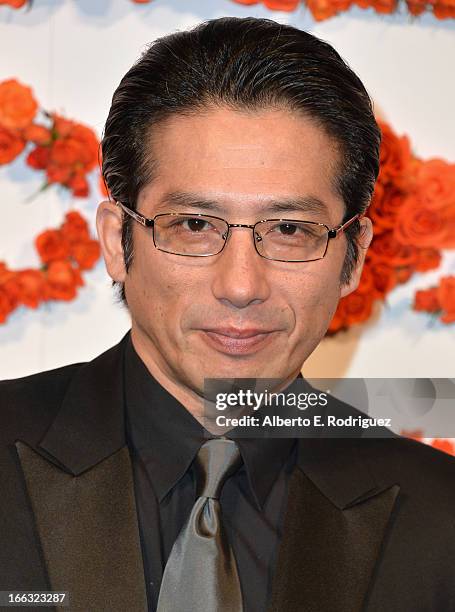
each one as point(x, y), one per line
point(235, 341)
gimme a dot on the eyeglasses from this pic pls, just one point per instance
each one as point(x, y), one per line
point(196, 235)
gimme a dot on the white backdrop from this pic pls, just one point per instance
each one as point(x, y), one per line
point(74, 52)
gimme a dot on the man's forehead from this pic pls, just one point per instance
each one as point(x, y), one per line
point(222, 159)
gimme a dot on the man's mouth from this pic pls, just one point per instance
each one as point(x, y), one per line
point(237, 341)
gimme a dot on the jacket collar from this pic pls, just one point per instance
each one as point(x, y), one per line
point(90, 424)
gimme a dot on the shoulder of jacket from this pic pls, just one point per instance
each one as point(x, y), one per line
point(30, 400)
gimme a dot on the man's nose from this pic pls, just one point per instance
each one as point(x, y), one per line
point(240, 275)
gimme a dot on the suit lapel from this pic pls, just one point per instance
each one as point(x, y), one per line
point(335, 524)
point(79, 482)
point(88, 531)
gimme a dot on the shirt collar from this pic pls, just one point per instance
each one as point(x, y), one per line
point(167, 437)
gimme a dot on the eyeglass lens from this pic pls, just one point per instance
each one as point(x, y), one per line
point(286, 240)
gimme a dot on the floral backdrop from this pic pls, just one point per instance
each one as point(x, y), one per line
point(324, 9)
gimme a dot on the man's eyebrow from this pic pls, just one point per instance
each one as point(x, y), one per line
point(185, 199)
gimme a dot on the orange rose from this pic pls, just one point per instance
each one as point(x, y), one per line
point(427, 259)
point(446, 297)
point(281, 5)
point(75, 144)
point(443, 11)
point(79, 185)
point(387, 249)
point(65, 153)
point(17, 105)
point(426, 300)
point(38, 134)
point(436, 183)
point(321, 9)
point(385, 206)
point(38, 158)
point(444, 445)
point(422, 226)
point(57, 174)
point(86, 254)
point(73, 154)
point(403, 274)
point(89, 146)
point(51, 246)
point(416, 7)
point(6, 306)
point(384, 6)
point(75, 228)
point(395, 156)
point(8, 292)
point(384, 279)
point(63, 281)
point(32, 287)
point(358, 307)
point(11, 145)
point(14, 3)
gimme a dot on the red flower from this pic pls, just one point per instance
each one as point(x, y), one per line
point(427, 300)
point(79, 185)
point(75, 228)
point(38, 158)
point(427, 259)
point(387, 249)
point(274, 5)
point(86, 254)
point(446, 297)
point(72, 154)
point(395, 156)
point(38, 134)
point(436, 184)
point(384, 278)
point(421, 225)
point(32, 287)
point(6, 305)
point(52, 246)
point(63, 280)
point(17, 105)
point(11, 145)
point(14, 3)
point(444, 445)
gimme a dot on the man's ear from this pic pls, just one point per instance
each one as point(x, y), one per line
point(109, 227)
point(363, 241)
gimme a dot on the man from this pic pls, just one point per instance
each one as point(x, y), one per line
point(240, 157)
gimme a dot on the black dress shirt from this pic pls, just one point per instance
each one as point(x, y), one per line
point(164, 438)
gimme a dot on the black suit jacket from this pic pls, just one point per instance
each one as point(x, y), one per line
point(369, 524)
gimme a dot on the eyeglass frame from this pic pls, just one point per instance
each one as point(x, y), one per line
point(147, 222)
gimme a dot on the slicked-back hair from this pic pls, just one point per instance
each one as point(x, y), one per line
point(249, 65)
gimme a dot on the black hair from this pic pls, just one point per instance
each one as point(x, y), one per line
point(246, 64)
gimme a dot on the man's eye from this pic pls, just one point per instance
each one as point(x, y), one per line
point(293, 229)
point(288, 229)
point(192, 224)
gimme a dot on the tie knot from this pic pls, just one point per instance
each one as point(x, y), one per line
point(216, 460)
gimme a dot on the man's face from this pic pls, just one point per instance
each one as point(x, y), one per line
point(188, 312)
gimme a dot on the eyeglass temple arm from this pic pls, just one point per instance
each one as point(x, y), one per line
point(138, 217)
point(334, 232)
